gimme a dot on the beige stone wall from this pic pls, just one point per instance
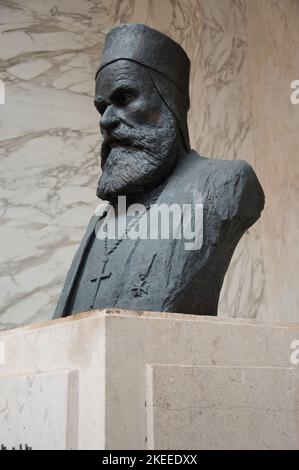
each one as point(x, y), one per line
point(244, 56)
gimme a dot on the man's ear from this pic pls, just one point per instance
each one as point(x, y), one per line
point(175, 101)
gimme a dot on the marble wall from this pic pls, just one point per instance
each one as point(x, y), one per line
point(244, 57)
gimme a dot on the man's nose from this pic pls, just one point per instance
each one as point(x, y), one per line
point(109, 120)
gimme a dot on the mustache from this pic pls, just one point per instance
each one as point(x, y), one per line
point(117, 138)
point(124, 137)
point(145, 139)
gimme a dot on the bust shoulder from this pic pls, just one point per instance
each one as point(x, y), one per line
point(231, 186)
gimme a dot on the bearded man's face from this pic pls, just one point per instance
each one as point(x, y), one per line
point(140, 133)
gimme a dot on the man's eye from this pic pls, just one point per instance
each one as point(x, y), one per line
point(101, 108)
point(123, 99)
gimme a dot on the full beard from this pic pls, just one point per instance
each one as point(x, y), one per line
point(135, 160)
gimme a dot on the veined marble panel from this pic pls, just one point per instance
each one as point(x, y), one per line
point(220, 122)
point(273, 58)
point(49, 147)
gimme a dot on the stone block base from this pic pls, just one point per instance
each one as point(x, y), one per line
point(123, 380)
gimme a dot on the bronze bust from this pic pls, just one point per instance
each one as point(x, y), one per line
point(142, 95)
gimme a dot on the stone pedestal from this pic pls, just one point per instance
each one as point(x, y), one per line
point(122, 380)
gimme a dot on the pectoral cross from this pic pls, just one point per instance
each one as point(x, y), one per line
point(99, 279)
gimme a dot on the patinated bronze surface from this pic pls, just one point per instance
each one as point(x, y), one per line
point(143, 99)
